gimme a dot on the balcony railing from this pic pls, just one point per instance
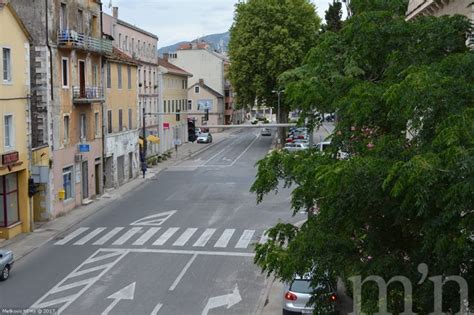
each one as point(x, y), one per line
point(470, 41)
point(87, 94)
point(73, 39)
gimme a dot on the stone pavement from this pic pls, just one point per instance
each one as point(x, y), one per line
point(25, 243)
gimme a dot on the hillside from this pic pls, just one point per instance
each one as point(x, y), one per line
point(218, 42)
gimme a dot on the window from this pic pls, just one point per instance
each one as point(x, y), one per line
point(173, 109)
point(139, 47)
point(7, 65)
point(114, 26)
point(130, 119)
point(63, 17)
point(119, 74)
point(196, 89)
point(80, 21)
point(9, 210)
point(95, 75)
point(129, 76)
point(96, 124)
point(83, 127)
point(109, 121)
point(66, 129)
point(65, 72)
point(120, 120)
point(144, 78)
point(67, 182)
point(109, 79)
point(125, 44)
point(9, 135)
point(190, 104)
point(133, 45)
point(120, 41)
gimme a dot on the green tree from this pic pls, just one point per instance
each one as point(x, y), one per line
point(403, 92)
point(333, 17)
point(267, 38)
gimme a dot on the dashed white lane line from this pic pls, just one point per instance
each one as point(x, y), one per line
point(127, 236)
point(163, 238)
point(90, 236)
point(146, 236)
point(204, 238)
point(156, 309)
point(184, 238)
point(181, 274)
point(77, 232)
point(108, 236)
point(245, 239)
point(225, 238)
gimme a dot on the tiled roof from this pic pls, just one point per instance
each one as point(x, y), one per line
point(172, 68)
point(119, 56)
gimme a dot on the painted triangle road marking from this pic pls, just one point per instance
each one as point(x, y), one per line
point(155, 219)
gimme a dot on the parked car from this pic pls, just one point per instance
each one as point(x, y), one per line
point(293, 147)
point(305, 141)
point(266, 132)
point(197, 131)
point(297, 294)
point(204, 138)
point(322, 146)
point(6, 263)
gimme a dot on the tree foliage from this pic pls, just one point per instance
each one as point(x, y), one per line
point(333, 17)
point(404, 94)
point(267, 38)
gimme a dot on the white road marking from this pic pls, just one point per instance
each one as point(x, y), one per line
point(127, 293)
point(245, 239)
point(184, 238)
point(90, 236)
point(181, 274)
point(225, 238)
point(204, 238)
point(165, 236)
point(212, 157)
point(77, 232)
point(108, 236)
point(122, 239)
point(155, 219)
point(245, 151)
point(227, 300)
point(156, 309)
point(60, 304)
point(146, 236)
point(189, 252)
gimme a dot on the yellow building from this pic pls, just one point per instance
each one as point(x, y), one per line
point(14, 121)
point(174, 85)
point(121, 113)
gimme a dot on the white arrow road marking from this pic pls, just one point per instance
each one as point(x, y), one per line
point(223, 300)
point(155, 219)
point(126, 293)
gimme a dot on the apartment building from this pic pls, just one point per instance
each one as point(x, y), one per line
point(203, 98)
point(15, 124)
point(442, 7)
point(121, 148)
point(141, 46)
point(174, 97)
point(67, 99)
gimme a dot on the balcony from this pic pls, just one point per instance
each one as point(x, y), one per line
point(87, 94)
point(72, 39)
point(470, 41)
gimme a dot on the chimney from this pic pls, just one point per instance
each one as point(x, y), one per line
point(3, 3)
point(115, 12)
point(201, 81)
point(166, 56)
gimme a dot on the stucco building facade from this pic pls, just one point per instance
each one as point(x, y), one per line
point(15, 215)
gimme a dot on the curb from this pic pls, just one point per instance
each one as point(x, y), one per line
point(263, 300)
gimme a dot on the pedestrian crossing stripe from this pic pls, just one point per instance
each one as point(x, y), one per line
point(157, 236)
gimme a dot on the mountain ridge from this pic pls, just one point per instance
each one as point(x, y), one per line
point(218, 42)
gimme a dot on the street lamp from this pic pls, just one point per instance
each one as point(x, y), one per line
point(278, 92)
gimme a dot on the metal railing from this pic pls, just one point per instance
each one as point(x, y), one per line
point(73, 39)
point(470, 41)
point(87, 94)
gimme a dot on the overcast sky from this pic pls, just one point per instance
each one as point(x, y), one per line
point(182, 20)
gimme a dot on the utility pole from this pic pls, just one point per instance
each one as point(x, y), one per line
point(144, 147)
point(280, 131)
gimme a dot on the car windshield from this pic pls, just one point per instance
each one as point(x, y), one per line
point(301, 286)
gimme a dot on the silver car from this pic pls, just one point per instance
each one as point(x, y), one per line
point(293, 147)
point(6, 263)
point(297, 295)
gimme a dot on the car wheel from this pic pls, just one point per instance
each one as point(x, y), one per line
point(5, 273)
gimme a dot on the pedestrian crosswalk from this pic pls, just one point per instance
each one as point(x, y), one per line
point(158, 236)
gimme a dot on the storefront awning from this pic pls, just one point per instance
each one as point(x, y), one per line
point(140, 141)
point(153, 139)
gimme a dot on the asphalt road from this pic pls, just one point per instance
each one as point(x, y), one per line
point(181, 244)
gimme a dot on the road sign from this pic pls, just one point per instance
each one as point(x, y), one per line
point(84, 147)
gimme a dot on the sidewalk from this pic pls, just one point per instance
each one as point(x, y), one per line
point(25, 243)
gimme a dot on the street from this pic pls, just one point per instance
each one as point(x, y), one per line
point(180, 244)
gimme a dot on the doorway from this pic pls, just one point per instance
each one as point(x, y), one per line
point(85, 180)
point(97, 179)
point(130, 165)
point(82, 78)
